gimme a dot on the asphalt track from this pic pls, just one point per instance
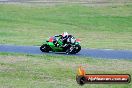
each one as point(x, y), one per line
point(96, 53)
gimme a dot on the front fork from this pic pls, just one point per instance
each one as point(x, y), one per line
point(72, 48)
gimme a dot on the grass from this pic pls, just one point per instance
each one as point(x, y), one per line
point(46, 71)
point(97, 27)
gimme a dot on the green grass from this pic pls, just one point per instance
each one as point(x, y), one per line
point(46, 71)
point(97, 27)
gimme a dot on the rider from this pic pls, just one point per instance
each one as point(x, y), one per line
point(64, 36)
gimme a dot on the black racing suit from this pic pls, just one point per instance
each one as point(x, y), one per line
point(63, 39)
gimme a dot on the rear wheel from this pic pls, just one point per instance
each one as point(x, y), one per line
point(45, 48)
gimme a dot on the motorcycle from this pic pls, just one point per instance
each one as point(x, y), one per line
point(72, 46)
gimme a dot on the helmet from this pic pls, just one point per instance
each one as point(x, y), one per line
point(65, 34)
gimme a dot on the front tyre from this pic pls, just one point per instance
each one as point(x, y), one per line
point(77, 48)
point(73, 50)
point(45, 48)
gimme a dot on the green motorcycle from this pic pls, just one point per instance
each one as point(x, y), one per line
point(71, 47)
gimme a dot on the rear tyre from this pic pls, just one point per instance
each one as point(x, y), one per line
point(45, 48)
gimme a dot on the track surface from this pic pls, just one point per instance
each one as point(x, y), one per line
point(97, 53)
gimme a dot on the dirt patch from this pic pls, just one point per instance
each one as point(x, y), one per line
point(12, 59)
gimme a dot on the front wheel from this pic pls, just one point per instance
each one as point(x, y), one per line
point(45, 48)
point(73, 49)
point(77, 48)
